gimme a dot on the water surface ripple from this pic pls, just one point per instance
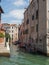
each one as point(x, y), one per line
point(21, 58)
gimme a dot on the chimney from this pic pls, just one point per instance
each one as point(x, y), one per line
point(30, 1)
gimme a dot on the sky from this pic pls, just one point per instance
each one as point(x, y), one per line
point(13, 10)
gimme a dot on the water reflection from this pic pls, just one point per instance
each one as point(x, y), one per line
point(21, 58)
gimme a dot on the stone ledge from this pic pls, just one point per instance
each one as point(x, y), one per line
point(47, 54)
point(5, 54)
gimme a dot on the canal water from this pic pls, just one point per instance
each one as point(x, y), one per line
point(20, 58)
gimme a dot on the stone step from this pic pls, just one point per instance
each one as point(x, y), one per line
point(2, 45)
point(4, 50)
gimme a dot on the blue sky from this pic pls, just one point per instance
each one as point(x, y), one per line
point(13, 10)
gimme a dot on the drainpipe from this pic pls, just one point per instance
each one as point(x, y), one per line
point(0, 18)
point(38, 27)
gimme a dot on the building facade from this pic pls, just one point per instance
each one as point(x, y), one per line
point(12, 30)
point(6, 27)
point(36, 25)
point(21, 32)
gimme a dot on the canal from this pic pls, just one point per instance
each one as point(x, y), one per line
point(20, 58)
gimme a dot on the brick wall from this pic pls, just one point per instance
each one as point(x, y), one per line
point(2, 39)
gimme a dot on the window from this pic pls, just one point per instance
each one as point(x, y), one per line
point(26, 31)
point(48, 30)
point(36, 40)
point(12, 36)
point(16, 33)
point(33, 4)
point(21, 33)
point(32, 17)
point(48, 41)
point(12, 31)
point(37, 14)
point(37, 0)
point(27, 21)
point(36, 27)
point(32, 29)
point(19, 29)
point(43, 0)
point(40, 40)
point(12, 27)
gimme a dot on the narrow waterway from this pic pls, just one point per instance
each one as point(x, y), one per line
point(20, 58)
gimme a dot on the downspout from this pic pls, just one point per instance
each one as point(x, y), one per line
point(38, 27)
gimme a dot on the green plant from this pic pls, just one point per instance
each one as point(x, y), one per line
point(2, 35)
point(7, 36)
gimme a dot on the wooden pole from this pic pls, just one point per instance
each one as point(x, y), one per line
point(0, 18)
